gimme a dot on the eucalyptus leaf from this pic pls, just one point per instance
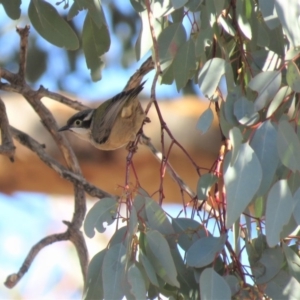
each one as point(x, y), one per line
point(278, 211)
point(293, 261)
point(12, 8)
point(293, 76)
point(51, 26)
point(236, 139)
point(158, 248)
point(204, 251)
point(264, 144)
point(283, 286)
point(213, 286)
point(113, 270)
point(288, 146)
point(184, 66)
point(148, 268)
point(204, 185)
point(296, 206)
point(267, 85)
point(94, 287)
point(205, 120)
point(169, 41)
point(242, 180)
point(136, 282)
point(210, 76)
point(104, 211)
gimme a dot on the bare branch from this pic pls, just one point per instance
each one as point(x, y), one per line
point(23, 32)
point(7, 146)
point(13, 279)
point(77, 179)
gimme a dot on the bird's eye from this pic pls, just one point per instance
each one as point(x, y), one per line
point(78, 122)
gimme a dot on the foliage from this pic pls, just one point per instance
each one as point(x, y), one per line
point(248, 49)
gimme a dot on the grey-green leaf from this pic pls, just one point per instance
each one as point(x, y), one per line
point(266, 84)
point(184, 65)
point(113, 270)
point(104, 211)
point(283, 287)
point(288, 146)
point(136, 282)
point(205, 183)
point(293, 261)
point(278, 99)
point(278, 211)
point(12, 8)
point(296, 209)
point(169, 41)
point(51, 26)
point(160, 249)
point(213, 286)
point(95, 42)
point(148, 268)
point(205, 120)
point(264, 144)
point(244, 111)
point(188, 231)
point(204, 251)
point(242, 180)
point(236, 139)
point(210, 76)
point(293, 76)
point(94, 287)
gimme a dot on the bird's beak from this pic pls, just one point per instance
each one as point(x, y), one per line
point(66, 127)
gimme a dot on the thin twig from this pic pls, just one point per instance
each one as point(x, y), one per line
point(7, 146)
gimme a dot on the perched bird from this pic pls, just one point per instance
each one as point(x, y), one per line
point(113, 124)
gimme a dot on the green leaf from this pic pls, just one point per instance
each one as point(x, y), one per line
point(184, 65)
point(12, 8)
point(210, 76)
point(140, 204)
point(278, 99)
point(148, 268)
point(138, 5)
point(205, 120)
point(267, 85)
point(169, 41)
point(204, 185)
point(236, 139)
point(268, 265)
point(95, 42)
point(188, 231)
point(104, 211)
point(296, 210)
point(293, 76)
point(113, 271)
point(94, 287)
point(288, 146)
point(243, 23)
point(119, 236)
point(213, 286)
point(283, 286)
point(227, 26)
point(242, 180)
point(288, 20)
point(264, 144)
point(136, 282)
point(158, 248)
point(204, 251)
point(96, 12)
point(278, 210)
point(233, 283)
point(51, 26)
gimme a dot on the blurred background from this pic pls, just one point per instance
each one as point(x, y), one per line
point(34, 199)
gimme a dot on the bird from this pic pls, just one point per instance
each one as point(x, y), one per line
point(113, 124)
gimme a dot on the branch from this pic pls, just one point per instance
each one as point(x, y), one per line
point(7, 146)
point(39, 149)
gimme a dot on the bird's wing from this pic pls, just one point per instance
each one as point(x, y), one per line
point(101, 129)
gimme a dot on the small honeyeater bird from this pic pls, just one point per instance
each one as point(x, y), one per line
point(113, 124)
